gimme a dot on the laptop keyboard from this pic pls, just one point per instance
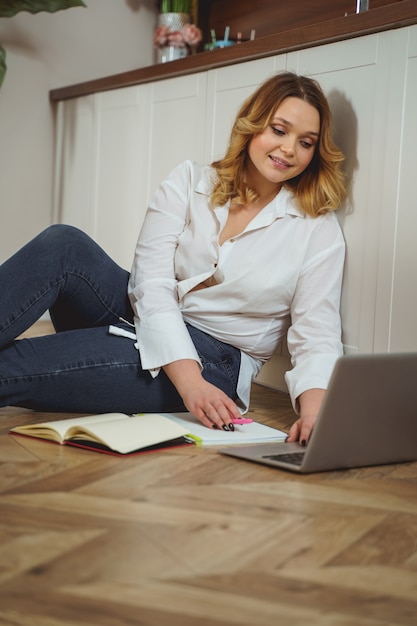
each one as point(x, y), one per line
point(294, 458)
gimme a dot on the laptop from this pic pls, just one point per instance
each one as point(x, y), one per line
point(368, 417)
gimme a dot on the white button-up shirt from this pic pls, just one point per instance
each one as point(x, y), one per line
point(282, 273)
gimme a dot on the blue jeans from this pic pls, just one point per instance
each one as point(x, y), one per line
point(82, 368)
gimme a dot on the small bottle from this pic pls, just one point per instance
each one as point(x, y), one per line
point(362, 5)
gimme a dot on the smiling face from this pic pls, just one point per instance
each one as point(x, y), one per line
point(286, 147)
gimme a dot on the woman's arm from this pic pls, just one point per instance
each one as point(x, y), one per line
point(160, 329)
point(309, 402)
point(314, 337)
point(162, 337)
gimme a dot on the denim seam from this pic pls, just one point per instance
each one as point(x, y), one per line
point(30, 303)
point(40, 375)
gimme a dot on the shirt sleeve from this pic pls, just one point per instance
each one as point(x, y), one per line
point(314, 336)
point(162, 336)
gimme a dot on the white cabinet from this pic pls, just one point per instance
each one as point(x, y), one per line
point(102, 168)
point(74, 167)
point(371, 84)
point(113, 149)
point(120, 170)
point(395, 324)
point(177, 112)
point(350, 75)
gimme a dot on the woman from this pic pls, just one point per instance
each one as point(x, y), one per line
point(230, 257)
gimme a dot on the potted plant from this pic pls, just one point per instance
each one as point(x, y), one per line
point(9, 8)
point(175, 36)
point(175, 6)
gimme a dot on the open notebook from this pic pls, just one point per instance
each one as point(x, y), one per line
point(117, 433)
point(368, 417)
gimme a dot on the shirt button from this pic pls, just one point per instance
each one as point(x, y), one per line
point(215, 264)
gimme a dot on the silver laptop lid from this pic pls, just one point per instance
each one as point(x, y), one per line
point(369, 414)
point(368, 417)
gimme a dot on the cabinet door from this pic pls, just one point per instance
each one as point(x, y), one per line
point(74, 167)
point(177, 110)
point(399, 301)
point(364, 82)
point(103, 168)
point(121, 170)
point(355, 76)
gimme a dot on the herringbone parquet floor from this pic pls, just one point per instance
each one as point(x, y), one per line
point(187, 537)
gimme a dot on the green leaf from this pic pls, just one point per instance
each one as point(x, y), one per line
point(8, 8)
point(3, 65)
point(174, 6)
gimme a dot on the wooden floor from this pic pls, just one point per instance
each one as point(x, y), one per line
point(189, 537)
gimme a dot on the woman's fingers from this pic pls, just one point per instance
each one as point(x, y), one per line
point(294, 432)
point(215, 417)
point(213, 408)
point(301, 430)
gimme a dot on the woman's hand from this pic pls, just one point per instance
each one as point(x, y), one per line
point(310, 403)
point(205, 401)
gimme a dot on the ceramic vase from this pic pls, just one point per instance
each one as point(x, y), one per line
point(175, 21)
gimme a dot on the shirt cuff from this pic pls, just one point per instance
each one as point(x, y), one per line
point(162, 339)
point(311, 373)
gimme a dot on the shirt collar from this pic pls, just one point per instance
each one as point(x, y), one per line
point(284, 202)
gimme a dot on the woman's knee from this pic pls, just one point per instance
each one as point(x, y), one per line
point(67, 242)
point(61, 233)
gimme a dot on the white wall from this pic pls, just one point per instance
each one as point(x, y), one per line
point(46, 51)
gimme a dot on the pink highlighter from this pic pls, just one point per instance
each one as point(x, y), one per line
point(242, 420)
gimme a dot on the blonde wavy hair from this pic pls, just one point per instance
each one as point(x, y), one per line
point(320, 188)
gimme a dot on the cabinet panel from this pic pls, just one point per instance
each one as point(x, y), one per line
point(353, 78)
point(115, 147)
point(121, 171)
point(403, 335)
point(335, 56)
point(103, 168)
point(363, 86)
point(176, 124)
point(75, 167)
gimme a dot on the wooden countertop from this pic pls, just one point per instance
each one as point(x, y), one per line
point(396, 15)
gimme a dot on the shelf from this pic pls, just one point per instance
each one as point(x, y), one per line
point(396, 15)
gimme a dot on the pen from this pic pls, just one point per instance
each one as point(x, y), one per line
point(242, 420)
